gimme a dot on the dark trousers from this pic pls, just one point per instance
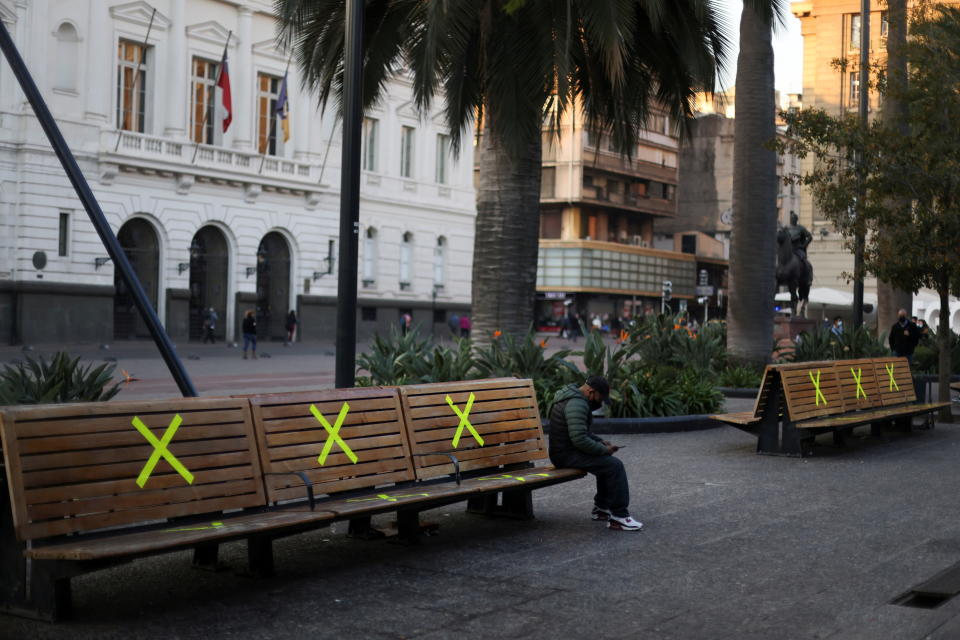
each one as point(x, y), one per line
point(613, 492)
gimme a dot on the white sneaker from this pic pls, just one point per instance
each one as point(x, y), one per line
point(624, 524)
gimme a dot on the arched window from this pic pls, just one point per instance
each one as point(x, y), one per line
point(406, 261)
point(439, 262)
point(65, 63)
point(370, 257)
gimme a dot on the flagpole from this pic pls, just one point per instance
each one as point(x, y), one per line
point(136, 78)
point(206, 112)
point(273, 119)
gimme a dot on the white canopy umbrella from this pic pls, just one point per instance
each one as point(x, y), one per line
point(830, 302)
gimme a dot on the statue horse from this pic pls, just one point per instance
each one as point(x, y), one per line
point(794, 273)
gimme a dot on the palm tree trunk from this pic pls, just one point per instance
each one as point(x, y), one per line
point(890, 299)
point(506, 238)
point(753, 243)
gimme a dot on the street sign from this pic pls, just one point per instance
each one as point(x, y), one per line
point(703, 278)
point(705, 290)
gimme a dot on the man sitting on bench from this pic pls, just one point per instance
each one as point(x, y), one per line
point(572, 445)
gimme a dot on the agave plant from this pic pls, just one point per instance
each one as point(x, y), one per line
point(62, 379)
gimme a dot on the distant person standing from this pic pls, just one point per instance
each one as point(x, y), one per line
point(837, 328)
point(904, 336)
point(465, 326)
point(249, 333)
point(453, 323)
point(209, 325)
point(291, 325)
point(406, 322)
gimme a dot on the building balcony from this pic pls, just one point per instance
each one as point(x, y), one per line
point(611, 268)
point(208, 163)
point(601, 197)
point(635, 168)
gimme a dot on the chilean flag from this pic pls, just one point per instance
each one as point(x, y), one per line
point(223, 82)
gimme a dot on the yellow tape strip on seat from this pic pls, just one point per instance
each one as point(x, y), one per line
point(816, 386)
point(858, 376)
point(893, 383)
point(464, 422)
point(160, 450)
point(334, 434)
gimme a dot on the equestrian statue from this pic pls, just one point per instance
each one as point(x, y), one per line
point(793, 269)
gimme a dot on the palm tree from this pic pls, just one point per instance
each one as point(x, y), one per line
point(753, 242)
point(508, 64)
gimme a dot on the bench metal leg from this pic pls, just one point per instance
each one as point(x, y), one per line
point(514, 503)
point(408, 528)
point(260, 556)
point(205, 557)
point(362, 529)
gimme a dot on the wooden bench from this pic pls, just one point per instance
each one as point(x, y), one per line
point(97, 484)
point(485, 436)
point(798, 401)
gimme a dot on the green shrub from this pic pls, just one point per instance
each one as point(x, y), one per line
point(740, 377)
point(823, 344)
point(396, 359)
point(926, 358)
point(38, 381)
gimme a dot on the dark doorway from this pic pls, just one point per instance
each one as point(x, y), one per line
point(139, 241)
point(273, 286)
point(208, 281)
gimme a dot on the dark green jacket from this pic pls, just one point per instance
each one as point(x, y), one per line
point(570, 420)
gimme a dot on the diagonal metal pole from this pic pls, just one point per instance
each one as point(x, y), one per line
point(346, 360)
point(92, 207)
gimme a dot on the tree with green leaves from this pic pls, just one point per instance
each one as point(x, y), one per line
point(513, 66)
point(911, 211)
point(753, 243)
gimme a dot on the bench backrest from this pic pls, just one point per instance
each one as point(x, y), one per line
point(293, 438)
point(814, 389)
point(503, 412)
point(82, 467)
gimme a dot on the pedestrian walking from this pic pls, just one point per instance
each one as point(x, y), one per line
point(209, 325)
point(406, 322)
point(465, 326)
point(291, 325)
point(453, 323)
point(837, 328)
point(250, 333)
point(904, 336)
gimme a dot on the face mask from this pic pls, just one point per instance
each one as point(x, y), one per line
point(594, 404)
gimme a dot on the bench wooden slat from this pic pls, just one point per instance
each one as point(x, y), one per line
point(800, 391)
point(176, 536)
point(293, 439)
point(67, 480)
point(432, 424)
point(741, 418)
point(865, 417)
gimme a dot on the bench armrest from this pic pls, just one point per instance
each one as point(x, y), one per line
point(303, 477)
point(453, 458)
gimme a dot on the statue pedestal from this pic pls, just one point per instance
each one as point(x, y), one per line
point(789, 328)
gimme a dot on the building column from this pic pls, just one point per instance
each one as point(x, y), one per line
point(40, 42)
point(301, 126)
point(100, 53)
point(177, 73)
point(241, 81)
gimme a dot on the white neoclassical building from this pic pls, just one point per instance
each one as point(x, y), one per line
point(235, 219)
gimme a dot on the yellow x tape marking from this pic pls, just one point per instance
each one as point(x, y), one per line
point(518, 478)
point(334, 432)
point(893, 383)
point(160, 449)
point(213, 525)
point(389, 498)
point(464, 422)
point(857, 377)
point(816, 385)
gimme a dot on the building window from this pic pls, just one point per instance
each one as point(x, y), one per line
point(548, 179)
point(368, 314)
point(406, 151)
point(443, 151)
point(63, 244)
point(884, 26)
point(131, 86)
point(268, 89)
point(854, 31)
point(439, 262)
point(65, 67)
point(331, 258)
point(204, 85)
point(370, 257)
point(370, 126)
point(406, 260)
point(854, 87)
